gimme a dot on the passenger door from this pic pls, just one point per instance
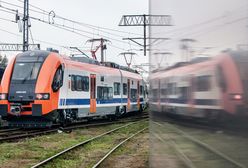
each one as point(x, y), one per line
point(92, 93)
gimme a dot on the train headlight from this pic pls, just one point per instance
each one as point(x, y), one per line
point(42, 96)
point(236, 97)
point(3, 96)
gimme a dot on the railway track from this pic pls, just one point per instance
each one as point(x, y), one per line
point(4, 130)
point(116, 147)
point(17, 134)
point(81, 144)
point(204, 125)
point(184, 155)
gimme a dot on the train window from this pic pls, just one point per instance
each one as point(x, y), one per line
point(203, 83)
point(133, 93)
point(163, 91)
point(58, 79)
point(141, 90)
point(79, 83)
point(104, 93)
point(117, 88)
point(154, 94)
point(171, 88)
point(73, 81)
point(124, 89)
point(85, 83)
point(110, 93)
point(99, 93)
point(26, 71)
point(183, 92)
point(221, 78)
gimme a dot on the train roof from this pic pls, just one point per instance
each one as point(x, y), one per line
point(92, 65)
point(184, 67)
point(200, 63)
point(100, 69)
point(182, 64)
point(83, 63)
point(84, 59)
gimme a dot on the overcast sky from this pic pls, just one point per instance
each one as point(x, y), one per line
point(99, 13)
point(215, 24)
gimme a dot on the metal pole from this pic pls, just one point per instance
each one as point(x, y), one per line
point(102, 54)
point(144, 34)
point(25, 26)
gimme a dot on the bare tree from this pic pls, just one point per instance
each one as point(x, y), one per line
point(3, 61)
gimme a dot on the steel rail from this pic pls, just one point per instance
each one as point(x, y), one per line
point(117, 146)
point(180, 154)
point(68, 128)
point(237, 131)
point(205, 146)
point(3, 130)
point(79, 144)
point(18, 132)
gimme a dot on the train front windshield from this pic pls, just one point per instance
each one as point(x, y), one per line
point(24, 71)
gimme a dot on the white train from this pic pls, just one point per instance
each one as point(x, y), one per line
point(41, 87)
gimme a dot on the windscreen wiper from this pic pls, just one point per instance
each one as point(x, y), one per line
point(28, 76)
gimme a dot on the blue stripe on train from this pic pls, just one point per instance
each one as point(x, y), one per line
point(87, 101)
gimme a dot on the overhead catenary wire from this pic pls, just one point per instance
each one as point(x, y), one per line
point(42, 41)
point(9, 20)
point(203, 23)
point(73, 29)
point(99, 28)
point(70, 28)
point(205, 27)
point(75, 32)
point(205, 30)
point(10, 8)
point(42, 11)
point(66, 29)
point(85, 24)
point(7, 11)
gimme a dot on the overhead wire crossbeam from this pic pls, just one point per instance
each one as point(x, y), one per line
point(148, 20)
point(145, 20)
point(17, 47)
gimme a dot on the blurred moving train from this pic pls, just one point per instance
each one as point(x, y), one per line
point(40, 88)
point(209, 88)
